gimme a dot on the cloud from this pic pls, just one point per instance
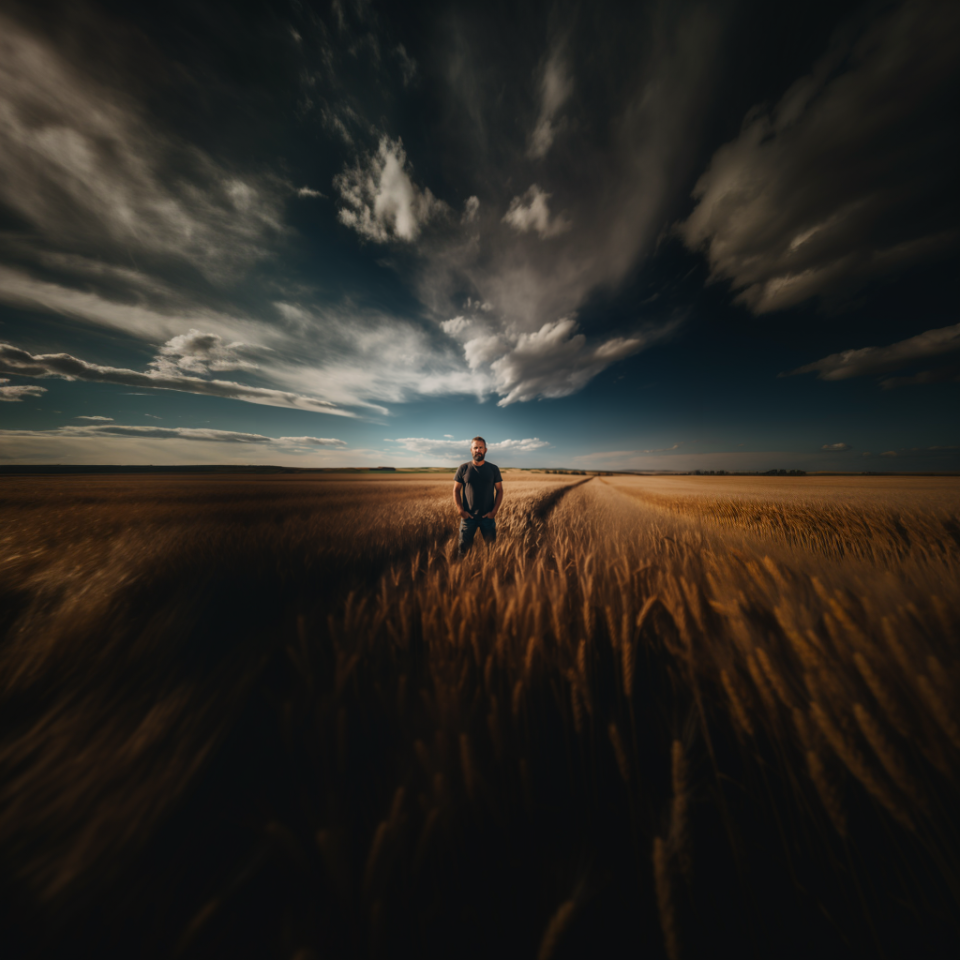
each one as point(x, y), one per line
point(556, 86)
point(408, 66)
point(134, 319)
point(836, 447)
point(844, 180)
point(309, 192)
point(16, 394)
point(676, 446)
point(170, 433)
point(202, 353)
point(538, 263)
point(471, 210)
point(21, 363)
point(531, 213)
point(935, 451)
point(556, 360)
point(381, 201)
point(459, 450)
point(105, 419)
point(943, 375)
point(869, 361)
point(312, 441)
point(87, 169)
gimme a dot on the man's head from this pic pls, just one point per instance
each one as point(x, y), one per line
point(478, 447)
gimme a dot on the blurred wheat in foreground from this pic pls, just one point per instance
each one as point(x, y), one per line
point(278, 718)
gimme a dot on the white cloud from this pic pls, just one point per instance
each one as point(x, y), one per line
point(868, 361)
point(20, 362)
point(310, 192)
point(200, 434)
point(830, 188)
point(20, 289)
point(16, 393)
point(554, 361)
point(836, 447)
point(458, 451)
point(116, 443)
point(556, 86)
point(557, 361)
point(532, 213)
point(312, 441)
point(203, 353)
point(84, 164)
point(381, 201)
point(471, 210)
point(104, 419)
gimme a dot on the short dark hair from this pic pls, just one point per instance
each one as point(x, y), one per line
point(475, 439)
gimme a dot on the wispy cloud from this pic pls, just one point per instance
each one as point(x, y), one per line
point(934, 451)
point(531, 213)
point(836, 447)
point(830, 188)
point(870, 361)
point(556, 85)
point(199, 434)
point(459, 450)
point(13, 393)
point(86, 167)
point(554, 361)
point(380, 199)
point(104, 419)
point(22, 363)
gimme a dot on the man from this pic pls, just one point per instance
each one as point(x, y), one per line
point(477, 492)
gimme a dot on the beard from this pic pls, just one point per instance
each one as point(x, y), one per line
point(479, 456)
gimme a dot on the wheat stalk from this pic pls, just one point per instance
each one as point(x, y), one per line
point(555, 929)
point(665, 901)
point(848, 752)
point(889, 756)
point(618, 751)
point(939, 708)
point(679, 809)
point(739, 712)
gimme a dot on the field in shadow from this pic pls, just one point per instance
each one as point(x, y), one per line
point(278, 718)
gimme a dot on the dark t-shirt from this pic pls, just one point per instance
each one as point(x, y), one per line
point(478, 492)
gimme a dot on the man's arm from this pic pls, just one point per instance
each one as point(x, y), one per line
point(458, 499)
point(498, 487)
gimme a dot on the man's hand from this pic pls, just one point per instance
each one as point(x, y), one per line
point(464, 514)
point(490, 516)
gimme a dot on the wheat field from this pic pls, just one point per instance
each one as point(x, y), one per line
point(662, 716)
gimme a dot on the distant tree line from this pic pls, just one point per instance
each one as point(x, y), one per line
point(740, 473)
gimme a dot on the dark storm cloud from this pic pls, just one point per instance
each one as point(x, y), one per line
point(871, 361)
point(850, 176)
point(22, 363)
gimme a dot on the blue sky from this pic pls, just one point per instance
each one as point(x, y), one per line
point(691, 236)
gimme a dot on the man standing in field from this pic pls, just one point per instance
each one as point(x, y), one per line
point(477, 492)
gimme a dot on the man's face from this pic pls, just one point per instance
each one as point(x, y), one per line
point(478, 450)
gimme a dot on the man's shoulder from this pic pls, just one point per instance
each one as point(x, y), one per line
point(462, 469)
point(495, 468)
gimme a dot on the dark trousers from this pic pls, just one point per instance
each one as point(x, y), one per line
point(468, 530)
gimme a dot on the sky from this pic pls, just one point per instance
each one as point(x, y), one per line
point(656, 236)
